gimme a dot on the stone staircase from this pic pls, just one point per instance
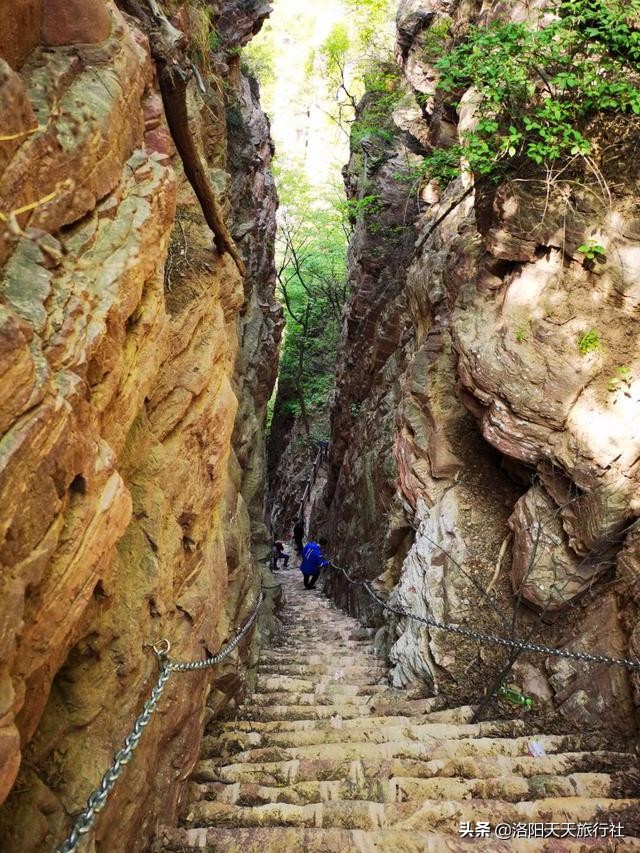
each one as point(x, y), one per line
point(326, 757)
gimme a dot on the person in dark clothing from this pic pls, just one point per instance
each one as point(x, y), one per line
point(312, 561)
point(279, 554)
point(298, 534)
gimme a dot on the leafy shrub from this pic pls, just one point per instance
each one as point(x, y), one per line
point(538, 88)
point(355, 208)
point(621, 378)
point(374, 120)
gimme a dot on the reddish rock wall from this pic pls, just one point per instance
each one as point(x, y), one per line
point(20, 26)
point(125, 512)
point(483, 469)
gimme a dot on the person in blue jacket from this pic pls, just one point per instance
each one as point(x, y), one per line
point(312, 561)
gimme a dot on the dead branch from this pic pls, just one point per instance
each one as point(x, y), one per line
point(503, 549)
point(174, 71)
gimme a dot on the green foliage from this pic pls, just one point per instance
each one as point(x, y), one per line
point(436, 38)
point(258, 61)
point(335, 48)
point(589, 342)
point(203, 36)
point(522, 333)
point(354, 209)
point(621, 379)
point(374, 121)
point(593, 251)
point(270, 407)
point(214, 40)
point(538, 89)
point(332, 60)
point(312, 288)
point(355, 49)
point(370, 18)
point(234, 117)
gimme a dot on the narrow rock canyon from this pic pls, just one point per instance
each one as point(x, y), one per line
point(477, 444)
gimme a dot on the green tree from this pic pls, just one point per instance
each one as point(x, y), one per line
point(356, 54)
point(258, 57)
point(312, 285)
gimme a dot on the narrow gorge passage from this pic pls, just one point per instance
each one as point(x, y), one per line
point(370, 268)
point(325, 756)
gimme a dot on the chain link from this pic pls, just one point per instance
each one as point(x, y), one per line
point(96, 802)
point(188, 666)
point(85, 820)
point(525, 646)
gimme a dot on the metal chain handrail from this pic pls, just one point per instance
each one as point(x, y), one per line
point(84, 822)
point(523, 645)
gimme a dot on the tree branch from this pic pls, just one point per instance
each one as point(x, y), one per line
point(167, 49)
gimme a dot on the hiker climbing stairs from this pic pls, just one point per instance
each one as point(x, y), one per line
point(325, 756)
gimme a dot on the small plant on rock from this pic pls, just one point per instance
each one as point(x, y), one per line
point(355, 209)
point(589, 342)
point(435, 39)
point(593, 251)
point(621, 379)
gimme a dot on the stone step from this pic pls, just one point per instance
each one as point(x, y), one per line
point(288, 772)
point(482, 747)
point(359, 658)
point(399, 789)
point(420, 709)
point(290, 725)
point(324, 615)
point(391, 705)
point(326, 757)
point(308, 711)
point(238, 741)
point(326, 628)
point(282, 839)
point(333, 642)
point(337, 670)
point(323, 636)
point(286, 684)
point(438, 815)
point(381, 701)
point(282, 697)
point(334, 722)
point(327, 615)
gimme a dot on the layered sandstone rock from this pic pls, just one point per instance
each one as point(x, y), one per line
point(484, 461)
point(121, 329)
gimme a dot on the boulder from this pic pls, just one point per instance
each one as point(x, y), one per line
point(595, 694)
point(545, 571)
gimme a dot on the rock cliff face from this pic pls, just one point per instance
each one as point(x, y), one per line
point(136, 365)
point(484, 468)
